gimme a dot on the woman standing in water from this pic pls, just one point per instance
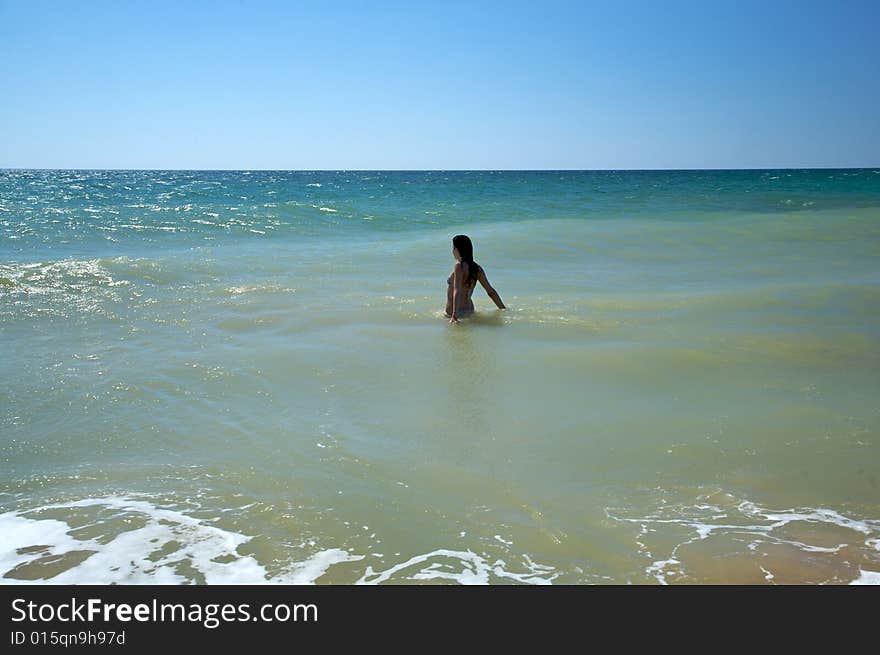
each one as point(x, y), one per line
point(463, 281)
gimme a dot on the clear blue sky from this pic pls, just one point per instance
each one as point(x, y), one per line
point(417, 85)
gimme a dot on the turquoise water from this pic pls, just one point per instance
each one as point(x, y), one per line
point(247, 377)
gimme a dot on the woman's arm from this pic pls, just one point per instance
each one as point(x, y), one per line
point(489, 290)
point(457, 282)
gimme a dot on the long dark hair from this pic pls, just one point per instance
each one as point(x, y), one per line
point(466, 250)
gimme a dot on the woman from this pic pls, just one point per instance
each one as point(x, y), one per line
point(463, 281)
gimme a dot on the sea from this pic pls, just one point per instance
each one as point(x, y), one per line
point(247, 377)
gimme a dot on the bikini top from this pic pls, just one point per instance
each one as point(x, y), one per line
point(449, 281)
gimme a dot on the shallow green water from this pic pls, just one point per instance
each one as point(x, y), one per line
point(212, 377)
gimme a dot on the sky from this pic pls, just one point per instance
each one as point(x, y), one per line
point(439, 85)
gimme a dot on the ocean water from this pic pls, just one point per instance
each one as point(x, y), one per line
point(224, 377)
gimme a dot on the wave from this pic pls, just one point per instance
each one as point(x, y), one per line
point(788, 546)
point(122, 540)
point(59, 288)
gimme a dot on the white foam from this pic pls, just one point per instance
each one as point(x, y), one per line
point(474, 569)
point(308, 571)
point(657, 569)
point(21, 533)
point(746, 518)
point(138, 556)
point(167, 543)
point(867, 577)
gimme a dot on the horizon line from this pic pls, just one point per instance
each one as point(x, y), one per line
point(437, 170)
